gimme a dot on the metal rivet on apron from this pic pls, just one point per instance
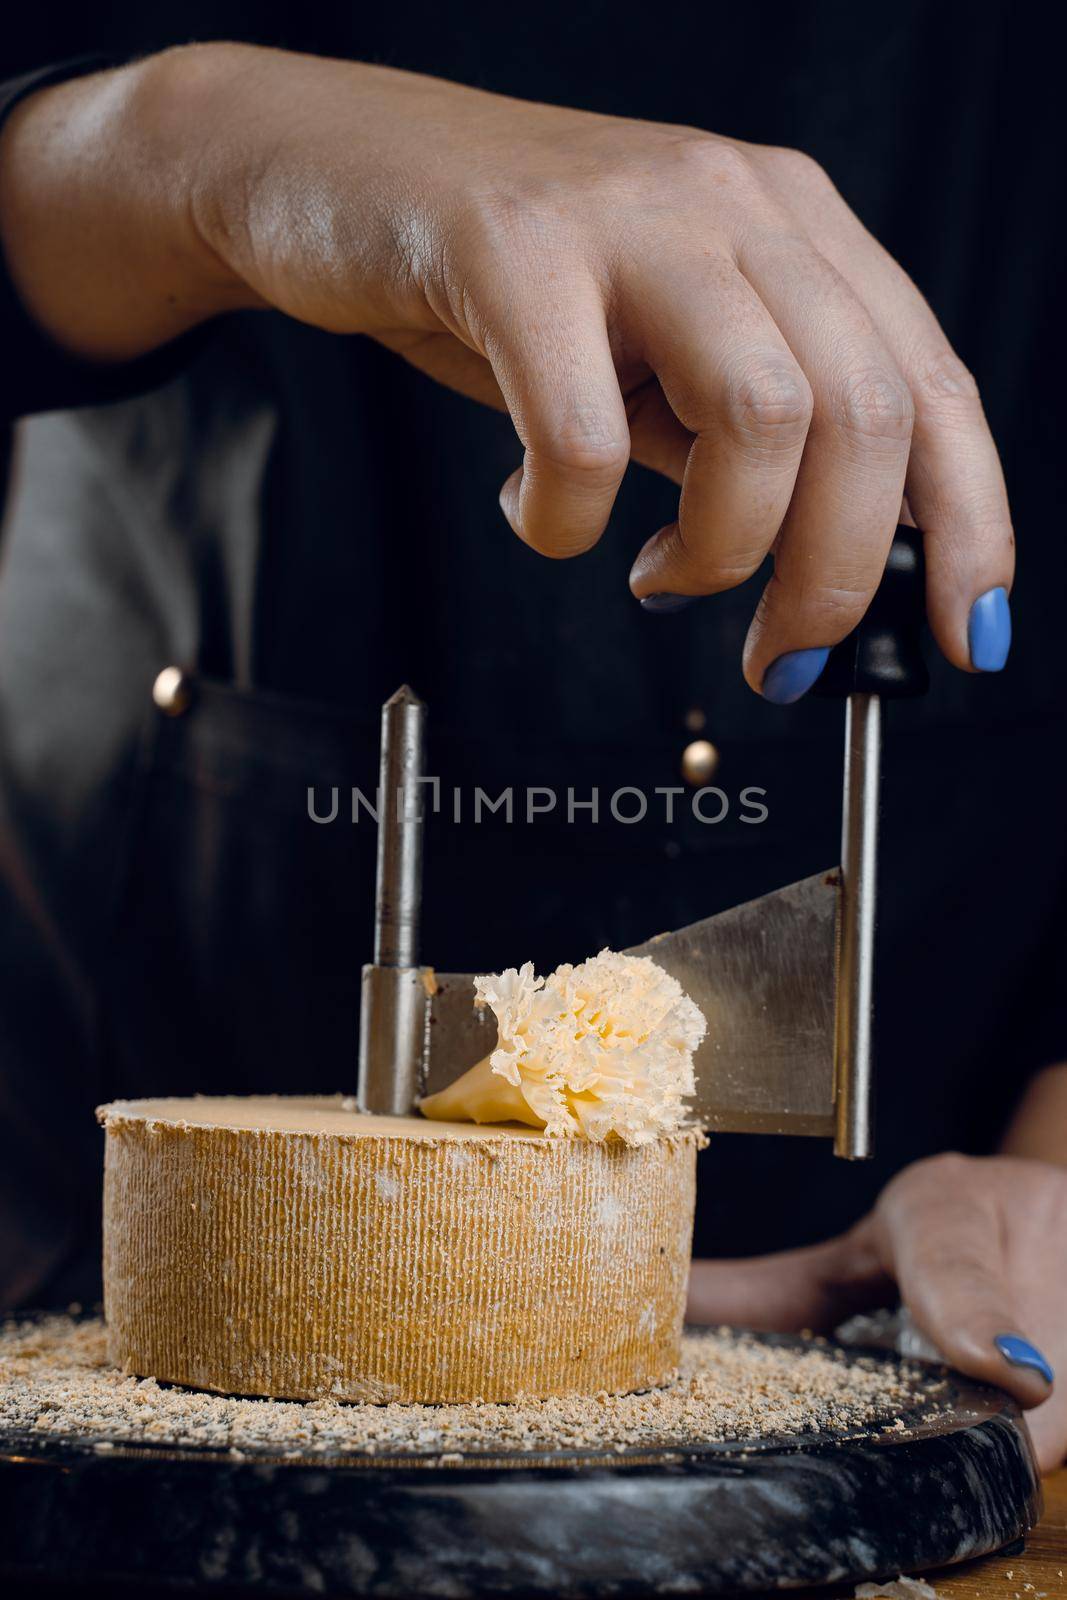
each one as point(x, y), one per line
point(699, 761)
point(172, 692)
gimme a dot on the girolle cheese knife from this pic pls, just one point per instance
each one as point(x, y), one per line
point(785, 981)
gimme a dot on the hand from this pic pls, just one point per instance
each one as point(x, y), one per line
point(710, 308)
point(977, 1248)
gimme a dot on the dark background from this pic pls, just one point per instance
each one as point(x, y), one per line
point(941, 125)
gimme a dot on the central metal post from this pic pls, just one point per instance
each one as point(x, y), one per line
point(399, 886)
point(393, 1010)
point(853, 1055)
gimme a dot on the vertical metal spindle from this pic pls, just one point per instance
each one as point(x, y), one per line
point(853, 1061)
point(393, 995)
point(399, 886)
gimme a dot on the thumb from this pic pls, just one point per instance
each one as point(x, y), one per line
point(814, 1288)
point(952, 1280)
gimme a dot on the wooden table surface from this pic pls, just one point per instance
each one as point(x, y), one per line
point(1040, 1571)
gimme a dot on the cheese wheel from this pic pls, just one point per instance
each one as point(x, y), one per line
point(297, 1248)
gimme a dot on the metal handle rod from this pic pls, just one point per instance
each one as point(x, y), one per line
point(392, 1014)
point(399, 883)
point(853, 1058)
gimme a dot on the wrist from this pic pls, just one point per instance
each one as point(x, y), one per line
point(290, 194)
point(181, 110)
point(96, 232)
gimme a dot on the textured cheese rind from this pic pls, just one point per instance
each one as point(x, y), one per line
point(309, 1254)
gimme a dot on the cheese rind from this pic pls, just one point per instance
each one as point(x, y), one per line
point(297, 1249)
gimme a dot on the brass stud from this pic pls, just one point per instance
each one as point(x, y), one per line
point(172, 692)
point(699, 761)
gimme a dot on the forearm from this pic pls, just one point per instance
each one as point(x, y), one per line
point(95, 217)
point(1038, 1128)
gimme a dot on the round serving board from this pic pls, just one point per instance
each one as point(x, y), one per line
point(723, 1518)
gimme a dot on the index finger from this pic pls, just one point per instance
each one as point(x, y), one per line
point(550, 353)
point(815, 1287)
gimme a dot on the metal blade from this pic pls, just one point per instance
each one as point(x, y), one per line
point(763, 975)
point(458, 1033)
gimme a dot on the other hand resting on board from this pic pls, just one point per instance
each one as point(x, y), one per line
point(976, 1248)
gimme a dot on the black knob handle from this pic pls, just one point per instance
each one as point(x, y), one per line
point(883, 653)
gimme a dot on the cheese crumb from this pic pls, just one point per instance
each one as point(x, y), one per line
point(57, 1382)
point(605, 1047)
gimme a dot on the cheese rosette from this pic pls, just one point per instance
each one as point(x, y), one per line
point(603, 1048)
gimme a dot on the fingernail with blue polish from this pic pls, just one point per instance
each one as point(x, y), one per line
point(1021, 1353)
point(989, 631)
point(667, 602)
point(792, 675)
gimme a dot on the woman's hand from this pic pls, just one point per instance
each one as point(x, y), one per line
point(711, 308)
point(977, 1248)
